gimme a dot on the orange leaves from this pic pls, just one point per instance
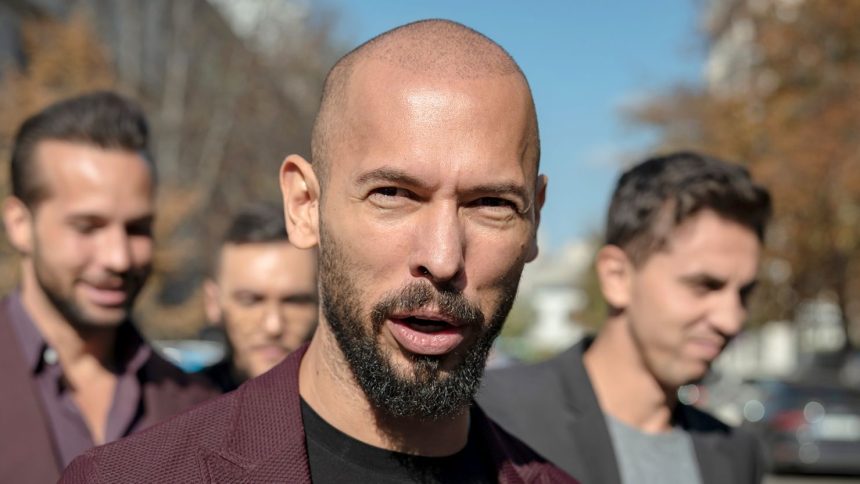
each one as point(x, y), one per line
point(793, 116)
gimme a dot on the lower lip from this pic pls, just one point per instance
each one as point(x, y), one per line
point(271, 353)
point(106, 297)
point(707, 351)
point(421, 343)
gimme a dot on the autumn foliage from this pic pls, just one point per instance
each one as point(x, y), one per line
point(223, 115)
point(788, 107)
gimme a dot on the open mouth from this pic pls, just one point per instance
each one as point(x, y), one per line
point(426, 334)
point(426, 325)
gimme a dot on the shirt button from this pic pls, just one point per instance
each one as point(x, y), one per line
point(50, 356)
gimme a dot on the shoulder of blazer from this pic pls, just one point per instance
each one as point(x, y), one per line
point(26, 444)
point(169, 390)
point(725, 453)
point(561, 379)
point(247, 435)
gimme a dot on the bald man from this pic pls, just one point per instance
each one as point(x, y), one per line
point(424, 200)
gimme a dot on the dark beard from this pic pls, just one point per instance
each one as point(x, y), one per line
point(69, 309)
point(427, 393)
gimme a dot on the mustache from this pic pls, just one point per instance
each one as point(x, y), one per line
point(419, 295)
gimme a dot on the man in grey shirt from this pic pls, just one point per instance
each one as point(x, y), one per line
point(666, 457)
point(683, 241)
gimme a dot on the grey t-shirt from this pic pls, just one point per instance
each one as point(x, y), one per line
point(664, 458)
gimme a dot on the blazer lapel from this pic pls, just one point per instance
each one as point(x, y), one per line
point(715, 465)
point(26, 448)
point(267, 437)
point(589, 434)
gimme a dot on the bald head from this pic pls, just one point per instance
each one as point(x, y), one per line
point(427, 49)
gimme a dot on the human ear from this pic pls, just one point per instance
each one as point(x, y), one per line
point(18, 220)
point(301, 192)
point(540, 198)
point(211, 302)
point(614, 272)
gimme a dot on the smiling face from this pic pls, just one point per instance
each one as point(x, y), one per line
point(89, 242)
point(685, 302)
point(265, 296)
point(428, 215)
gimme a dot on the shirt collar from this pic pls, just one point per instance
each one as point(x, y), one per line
point(131, 349)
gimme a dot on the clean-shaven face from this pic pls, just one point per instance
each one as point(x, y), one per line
point(689, 299)
point(267, 302)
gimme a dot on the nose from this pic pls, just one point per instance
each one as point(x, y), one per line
point(730, 314)
point(115, 250)
point(273, 321)
point(438, 252)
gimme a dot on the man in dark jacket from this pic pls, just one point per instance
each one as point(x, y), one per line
point(74, 371)
point(424, 200)
point(683, 239)
point(262, 295)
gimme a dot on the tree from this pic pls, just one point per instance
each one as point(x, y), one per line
point(784, 98)
point(224, 111)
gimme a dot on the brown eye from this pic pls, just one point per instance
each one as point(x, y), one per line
point(390, 197)
point(247, 299)
point(496, 202)
point(391, 192)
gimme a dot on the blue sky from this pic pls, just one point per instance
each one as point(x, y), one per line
point(584, 59)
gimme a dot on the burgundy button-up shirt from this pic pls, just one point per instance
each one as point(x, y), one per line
point(70, 433)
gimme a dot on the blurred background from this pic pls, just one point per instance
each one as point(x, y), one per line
point(231, 87)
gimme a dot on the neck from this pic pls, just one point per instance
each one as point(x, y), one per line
point(326, 383)
point(624, 386)
point(72, 346)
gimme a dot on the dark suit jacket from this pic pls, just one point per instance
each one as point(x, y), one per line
point(27, 453)
point(553, 408)
point(255, 435)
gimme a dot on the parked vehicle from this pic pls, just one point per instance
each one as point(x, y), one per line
point(807, 427)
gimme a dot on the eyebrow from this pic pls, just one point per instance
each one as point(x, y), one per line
point(704, 278)
point(503, 188)
point(298, 297)
point(148, 218)
point(394, 175)
point(389, 174)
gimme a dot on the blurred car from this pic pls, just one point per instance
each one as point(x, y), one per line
point(191, 355)
point(807, 427)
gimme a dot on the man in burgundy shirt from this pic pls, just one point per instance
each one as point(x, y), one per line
point(74, 371)
point(424, 200)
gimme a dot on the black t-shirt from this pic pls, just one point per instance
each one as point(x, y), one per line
point(337, 458)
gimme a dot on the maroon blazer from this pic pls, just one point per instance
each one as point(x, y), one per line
point(255, 435)
point(27, 453)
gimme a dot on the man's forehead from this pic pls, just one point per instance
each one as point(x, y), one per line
point(250, 250)
point(706, 235)
point(391, 99)
point(254, 260)
point(59, 162)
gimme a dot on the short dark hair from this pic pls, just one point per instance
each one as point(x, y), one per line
point(258, 223)
point(255, 224)
point(660, 193)
point(104, 119)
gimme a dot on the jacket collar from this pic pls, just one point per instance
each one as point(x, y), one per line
point(591, 432)
point(587, 428)
point(266, 436)
point(25, 456)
